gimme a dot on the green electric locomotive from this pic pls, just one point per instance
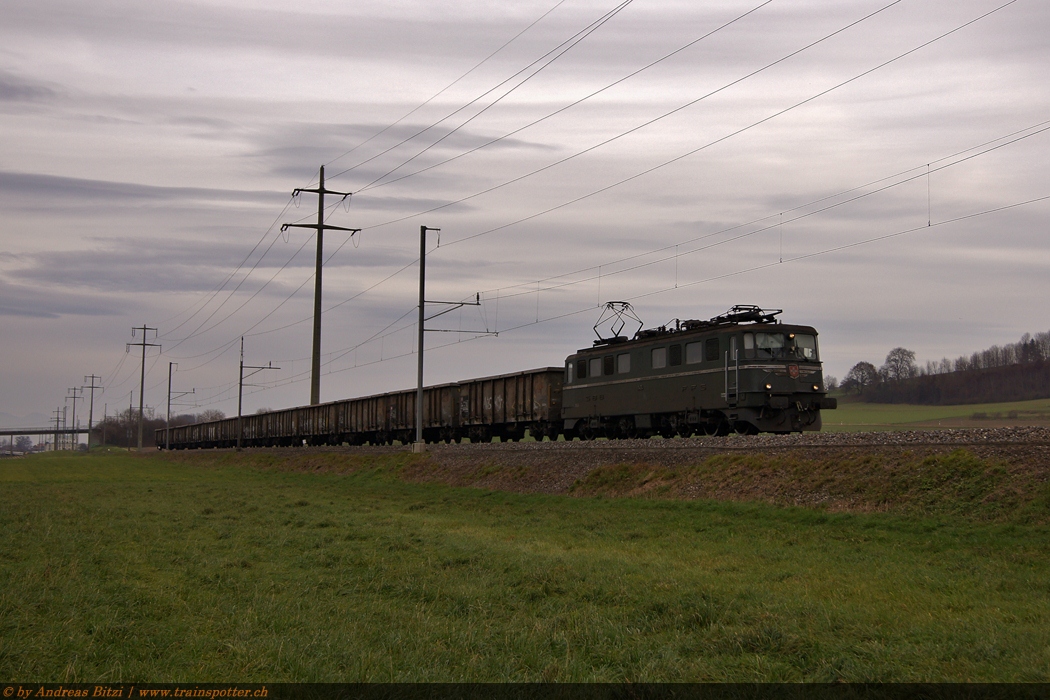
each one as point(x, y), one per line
point(743, 371)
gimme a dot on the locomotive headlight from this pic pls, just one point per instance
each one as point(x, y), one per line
point(768, 387)
point(816, 388)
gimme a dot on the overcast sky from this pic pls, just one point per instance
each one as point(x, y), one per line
point(876, 169)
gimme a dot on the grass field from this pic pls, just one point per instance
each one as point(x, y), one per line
point(122, 567)
point(856, 415)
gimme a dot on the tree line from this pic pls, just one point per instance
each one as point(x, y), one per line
point(122, 429)
point(1012, 372)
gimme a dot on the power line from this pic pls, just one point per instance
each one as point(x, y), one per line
point(372, 186)
point(447, 87)
point(573, 44)
point(608, 14)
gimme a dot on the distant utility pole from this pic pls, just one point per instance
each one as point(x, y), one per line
point(167, 422)
point(240, 389)
point(142, 378)
point(75, 439)
point(58, 420)
point(91, 406)
point(320, 227)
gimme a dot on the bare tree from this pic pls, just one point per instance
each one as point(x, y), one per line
point(862, 375)
point(900, 364)
point(209, 415)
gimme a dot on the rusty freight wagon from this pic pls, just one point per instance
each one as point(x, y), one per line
point(504, 406)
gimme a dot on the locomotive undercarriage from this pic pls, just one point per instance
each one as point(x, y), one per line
point(800, 415)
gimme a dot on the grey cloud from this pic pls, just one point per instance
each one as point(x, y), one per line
point(57, 187)
point(192, 24)
point(134, 266)
point(48, 303)
point(16, 89)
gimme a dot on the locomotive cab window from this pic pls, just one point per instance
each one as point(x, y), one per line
point(595, 368)
point(806, 346)
point(581, 369)
point(623, 363)
point(749, 345)
point(769, 346)
point(659, 358)
point(568, 373)
point(608, 364)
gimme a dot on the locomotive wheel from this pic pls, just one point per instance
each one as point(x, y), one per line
point(625, 428)
point(742, 427)
point(711, 427)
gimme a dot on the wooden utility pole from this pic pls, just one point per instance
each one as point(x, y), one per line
point(91, 406)
point(320, 227)
point(74, 439)
point(58, 421)
point(142, 377)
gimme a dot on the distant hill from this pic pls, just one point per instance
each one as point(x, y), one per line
point(1019, 382)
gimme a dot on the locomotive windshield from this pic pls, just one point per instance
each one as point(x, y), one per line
point(780, 346)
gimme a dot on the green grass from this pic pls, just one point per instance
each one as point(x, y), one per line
point(218, 567)
point(856, 415)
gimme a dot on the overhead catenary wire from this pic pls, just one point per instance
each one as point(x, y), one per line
point(560, 52)
point(574, 103)
point(211, 295)
point(422, 131)
point(449, 86)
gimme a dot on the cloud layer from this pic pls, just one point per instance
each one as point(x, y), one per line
point(156, 146)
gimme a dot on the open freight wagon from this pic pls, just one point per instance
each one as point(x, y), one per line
point(504, 406)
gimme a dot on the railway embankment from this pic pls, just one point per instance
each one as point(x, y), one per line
point(995, 474)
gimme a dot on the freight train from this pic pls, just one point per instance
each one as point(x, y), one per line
point(743, 371)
